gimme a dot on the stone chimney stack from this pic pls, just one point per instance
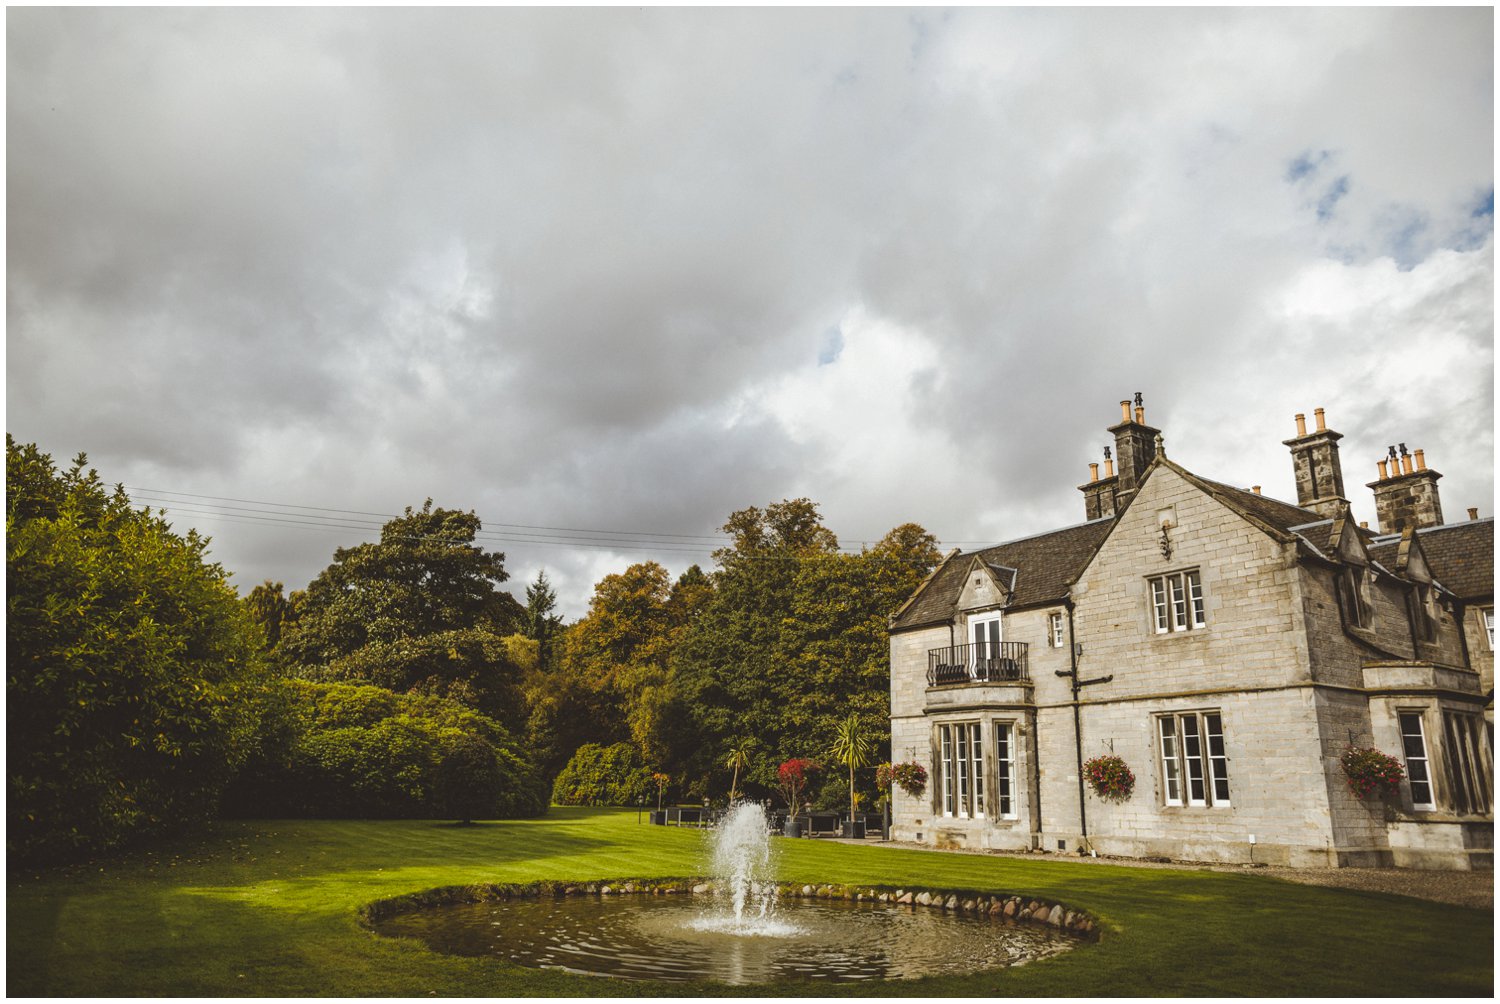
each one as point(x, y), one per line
point(1099, 493)
point(1406, 495)
point(1135, 448)
point(1315, 463)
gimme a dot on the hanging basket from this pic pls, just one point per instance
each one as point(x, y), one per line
point(1371, 773)
point(1109, 777)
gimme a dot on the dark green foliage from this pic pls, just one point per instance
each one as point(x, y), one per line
point(792, 641)
point(541, 622)
point(131, 666)
point(339, 750)
point(420, 611)
point(273, 611)
point(603, 775)
point(468, 776)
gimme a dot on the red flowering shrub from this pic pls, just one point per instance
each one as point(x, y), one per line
point(793, 776)
point(1109, 778)
point(1371, 772)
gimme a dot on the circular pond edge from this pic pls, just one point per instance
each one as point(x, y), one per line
point(1024, 909)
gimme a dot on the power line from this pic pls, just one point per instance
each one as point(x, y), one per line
point(256, 512)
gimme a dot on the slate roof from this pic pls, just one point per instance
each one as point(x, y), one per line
point(1045, 565)
point(1462, 557)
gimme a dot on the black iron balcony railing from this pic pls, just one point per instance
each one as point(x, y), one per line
point(991, 662)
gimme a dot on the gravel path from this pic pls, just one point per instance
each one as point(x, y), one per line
point(1461, 888)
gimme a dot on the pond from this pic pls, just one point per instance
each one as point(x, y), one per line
point(642, 937)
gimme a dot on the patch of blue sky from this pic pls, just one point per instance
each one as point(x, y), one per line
point(1331, 197)
point(1485, 206)
point(1305, 164)
point(831, 347)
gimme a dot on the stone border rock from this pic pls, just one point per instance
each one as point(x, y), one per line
point(961, 901)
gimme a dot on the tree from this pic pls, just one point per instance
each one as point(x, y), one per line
point(273, 611)
point(418, 611)
point(424, 576)
point(130, 664)
point(468, 776)
point(853, 748)
point(793, 637)
point(541, 623)
point(739, 759)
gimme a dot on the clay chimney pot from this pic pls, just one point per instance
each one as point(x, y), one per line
point(1301, 424)
point(1124, 411)
point(1318, 415)
point(1473, 513)
point(1093, 472)
point(1140, 415)
point(1381, 464)
point(1406, 464)
point(1109, 468)
point(1421, 464)
point(1255, 489)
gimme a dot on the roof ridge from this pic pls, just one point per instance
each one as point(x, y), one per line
point(1044, 533)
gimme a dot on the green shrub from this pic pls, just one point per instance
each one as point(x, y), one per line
point(131, 666)
point(603, 775)
point(338, 750)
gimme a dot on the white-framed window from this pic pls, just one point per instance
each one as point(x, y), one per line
point(1414, 748)
point(962, 750)
point(1055, 630)
point(1176, 602)
point(1005, 769)
point(1487, 620)
point(1465, 759)
point(1194, 763)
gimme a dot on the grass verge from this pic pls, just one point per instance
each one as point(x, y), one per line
point(271, 909)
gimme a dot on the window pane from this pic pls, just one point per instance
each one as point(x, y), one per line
point(976, 753)
point(963, 770)
point(1179, 603)
point(1192, 759)
point(1218, 760)
point(1169, 768)
point(947, 745)
point(1159, 603)
point(1005, 766)
point(1195, 594)
point(1414, 746)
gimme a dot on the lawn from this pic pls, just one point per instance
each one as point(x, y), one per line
point(270, 908)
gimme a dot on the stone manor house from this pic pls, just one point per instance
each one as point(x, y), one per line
point(1228, 647)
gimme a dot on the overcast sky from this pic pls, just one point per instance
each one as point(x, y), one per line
point(630, 271)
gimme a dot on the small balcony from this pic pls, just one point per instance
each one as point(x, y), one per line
point(991, 662)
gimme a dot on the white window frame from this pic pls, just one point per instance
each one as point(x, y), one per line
point(980, 649)
point(1487, 622)
point(1177, 601)
point(1193, 759)
point(1005, 771)
point(961, 750)
point(1414, 752)
point(1055, 630)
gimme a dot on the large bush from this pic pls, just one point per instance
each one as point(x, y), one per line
point(131, 665)
point(603, 775)
point(343, 750)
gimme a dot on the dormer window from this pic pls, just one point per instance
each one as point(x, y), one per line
point(1354, 591)
point(1423, 611)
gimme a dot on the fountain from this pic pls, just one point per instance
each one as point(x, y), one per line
point(744, 874)
point(746, 934)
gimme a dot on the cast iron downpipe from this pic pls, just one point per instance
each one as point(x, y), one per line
point(1078, 685)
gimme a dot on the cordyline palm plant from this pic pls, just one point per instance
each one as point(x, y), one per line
point(853, 748)
point(739, 759)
